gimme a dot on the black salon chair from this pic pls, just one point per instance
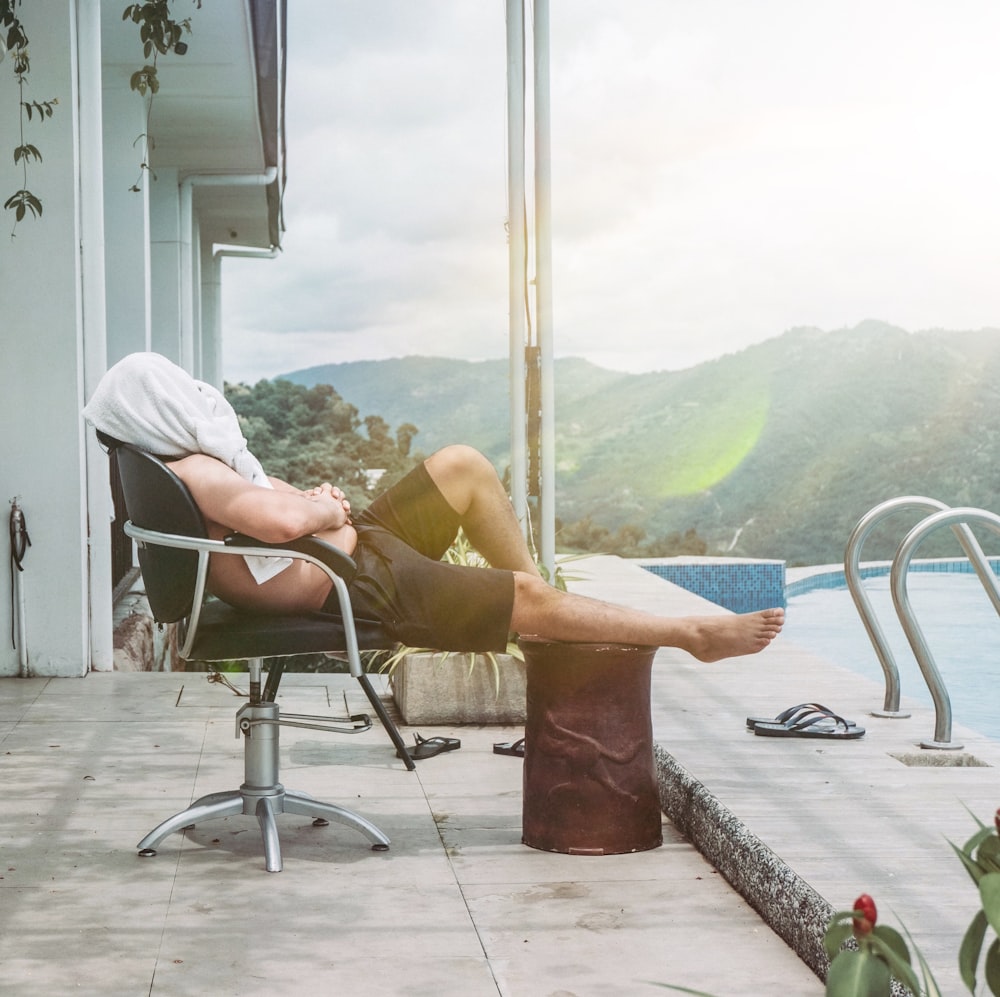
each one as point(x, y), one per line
point(174, 550)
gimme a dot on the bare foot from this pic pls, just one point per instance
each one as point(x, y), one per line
point(715, 637)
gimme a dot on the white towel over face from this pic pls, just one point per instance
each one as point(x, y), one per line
point(146, 400)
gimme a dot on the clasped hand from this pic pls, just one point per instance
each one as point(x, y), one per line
point(326, 490)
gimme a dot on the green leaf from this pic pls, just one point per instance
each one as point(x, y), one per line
point(835, 936)
point(888, 943)
point(988, 855)
point(993, 967)
point(931, 988)
point(893, 939)
point(26, 152)
point(984, 832)
point(971, 865)
point(858, 974)
point(970, 949)
point(989, 892)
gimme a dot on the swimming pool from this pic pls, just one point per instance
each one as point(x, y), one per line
point(959, 623)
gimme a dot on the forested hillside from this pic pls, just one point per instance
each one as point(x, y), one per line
point(772, 452)
point(309, 435)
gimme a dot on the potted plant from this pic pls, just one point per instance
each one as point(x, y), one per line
point(460, 687)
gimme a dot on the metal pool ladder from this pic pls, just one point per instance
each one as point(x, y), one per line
point(940, 516)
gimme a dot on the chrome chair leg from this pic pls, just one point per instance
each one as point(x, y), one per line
point(206, 808)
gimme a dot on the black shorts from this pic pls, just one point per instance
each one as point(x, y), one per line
point(420, 600)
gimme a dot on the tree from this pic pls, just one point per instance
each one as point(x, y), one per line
point(308, 435)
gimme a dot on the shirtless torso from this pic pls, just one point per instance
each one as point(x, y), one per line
point(230, 504)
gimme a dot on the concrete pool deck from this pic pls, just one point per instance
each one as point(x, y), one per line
point(458, 905)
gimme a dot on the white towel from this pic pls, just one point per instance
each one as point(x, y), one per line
point(146, 400)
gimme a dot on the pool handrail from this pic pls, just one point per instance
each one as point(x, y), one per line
point(957, 518)
point(852, 575)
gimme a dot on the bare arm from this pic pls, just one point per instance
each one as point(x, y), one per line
point(275, 515)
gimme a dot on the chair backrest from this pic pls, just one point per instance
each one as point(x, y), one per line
point(156, 499)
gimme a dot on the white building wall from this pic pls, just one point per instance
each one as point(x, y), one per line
point(165, 251)
point(104, 272)
point(41, 376)
point(126, 220)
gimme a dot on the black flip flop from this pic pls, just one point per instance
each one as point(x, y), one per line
point(796, 713)
point(833, 728)
point(428, 747)
point(515, 748)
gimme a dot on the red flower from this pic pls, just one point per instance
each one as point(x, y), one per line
point(865, 914)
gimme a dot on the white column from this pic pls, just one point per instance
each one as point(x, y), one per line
point(126, 223)
point(95, 345)
point(517, 254)
point(543, 285)
point(165, 265)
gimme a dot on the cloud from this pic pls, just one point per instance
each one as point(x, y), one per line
point(721, 172)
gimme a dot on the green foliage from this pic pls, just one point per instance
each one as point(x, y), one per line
point(27, 151)
point(310, 435)
point(980, 856)
point(866, 971)
point(628, 540)
point(832, 424)
point(158, 31)
point(22, 201)
point(160, 34)
point(42, 108)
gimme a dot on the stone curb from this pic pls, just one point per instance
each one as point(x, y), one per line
point(788, 904)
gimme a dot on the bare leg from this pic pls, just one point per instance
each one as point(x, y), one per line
point(545, 612)
point(469, 484)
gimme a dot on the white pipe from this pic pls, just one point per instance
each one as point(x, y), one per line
point(543, 284)
point(212, 303)
point(245, 252)
point(22, 642)
point(516, 252)
point(189, 321)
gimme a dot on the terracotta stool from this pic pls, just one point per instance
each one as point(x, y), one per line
point(589, 777)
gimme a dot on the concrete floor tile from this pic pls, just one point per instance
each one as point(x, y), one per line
point(636, 935)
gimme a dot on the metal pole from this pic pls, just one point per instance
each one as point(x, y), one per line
point(517, 256)
point(543, 283)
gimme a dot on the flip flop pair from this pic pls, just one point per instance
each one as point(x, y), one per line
point(428, 747)
point(806, 720)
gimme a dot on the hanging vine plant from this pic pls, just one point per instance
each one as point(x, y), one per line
point(160, 34)
point(14, 41)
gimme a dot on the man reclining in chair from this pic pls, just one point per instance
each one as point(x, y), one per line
point(397, 542)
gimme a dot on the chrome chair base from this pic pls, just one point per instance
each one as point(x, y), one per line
point(261, 795)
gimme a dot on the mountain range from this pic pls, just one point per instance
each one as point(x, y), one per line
point(775, 451)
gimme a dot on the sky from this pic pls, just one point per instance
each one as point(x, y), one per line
point(721, 172)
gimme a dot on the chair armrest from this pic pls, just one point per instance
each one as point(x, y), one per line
point(334, 558)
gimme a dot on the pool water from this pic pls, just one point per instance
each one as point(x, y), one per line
point(960, 626)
